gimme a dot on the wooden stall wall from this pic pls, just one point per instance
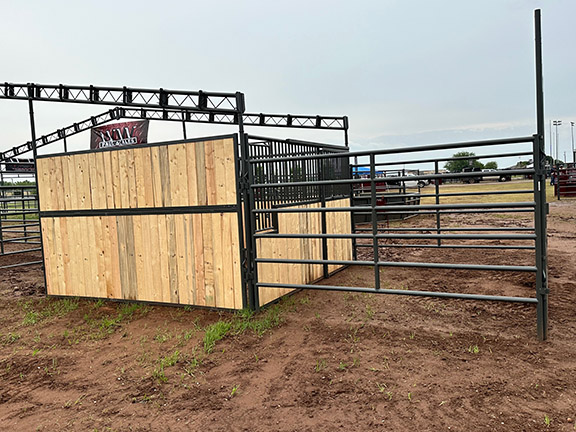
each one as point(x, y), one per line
point(287, 248)
point(150, 253)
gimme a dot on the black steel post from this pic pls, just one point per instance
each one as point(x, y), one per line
point(35, 153)
point(244, 182)
point(184, 127)
point(437, 190)
point(374, 203)
point(540, 191)
point(322, 191)
point(1, 235)
point(23, 206)
point(351, 169)
point(65, 145)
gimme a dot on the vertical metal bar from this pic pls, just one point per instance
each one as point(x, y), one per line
point(373, 203)
point(184, 127)
point(437, 191)
point(352, 221)
point(65, 145)
point(322, 192)
point(23, 206)
point(35, 153)
point(1, 236)
point(241, 234)
point(540, 192)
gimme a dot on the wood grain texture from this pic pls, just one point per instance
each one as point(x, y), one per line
point(171, 258)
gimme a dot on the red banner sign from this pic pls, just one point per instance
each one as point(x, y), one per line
point(119, 134)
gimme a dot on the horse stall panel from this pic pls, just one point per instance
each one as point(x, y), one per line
point(191, 256)
point(172, 175)
point(305, 248)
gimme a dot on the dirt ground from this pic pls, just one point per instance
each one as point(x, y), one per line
point(317, 361)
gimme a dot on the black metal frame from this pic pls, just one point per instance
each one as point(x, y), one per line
point(375, 236)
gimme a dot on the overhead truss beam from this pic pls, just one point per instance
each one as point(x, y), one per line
point(126, 96)
point(271, 120)
point(250, 119)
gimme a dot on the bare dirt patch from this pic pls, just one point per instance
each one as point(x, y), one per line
point(319, 361)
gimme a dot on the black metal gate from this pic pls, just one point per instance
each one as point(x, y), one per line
point(330, 175)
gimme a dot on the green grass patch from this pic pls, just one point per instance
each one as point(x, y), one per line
point(163, 363)
point(243, 321)
point(107, 324)
point(35, 313)
point(214, 333)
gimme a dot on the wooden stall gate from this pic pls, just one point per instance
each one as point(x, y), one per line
point(158, 223)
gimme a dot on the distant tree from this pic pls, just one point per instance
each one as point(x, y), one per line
point(459, 164)
point(491, 165)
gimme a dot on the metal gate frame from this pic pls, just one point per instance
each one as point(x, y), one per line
point(537, 207)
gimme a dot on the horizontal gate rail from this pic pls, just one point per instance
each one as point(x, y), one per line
point(402, 292)
point(447, 266)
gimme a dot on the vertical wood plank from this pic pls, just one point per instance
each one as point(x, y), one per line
point(178, 175)
point(79, 253)
point(192, 175)
point(72, 183)
point(116, 181)
point(156, 176)
point(172, 258)
point(180, 248)
point(58, 192)
point(47, 240)
point(83, 181)
point(217, 260)
point(236, 263)
point(164, 257)
point(98, 179)
point(190, 261)
point(227, 261)
point(43, 183)
point(199, 262)
point(220, 174)
point(200, 151)
point(229, 168)
point(114, 286)
point(139, 222)
point(156, 264)
point(147, 172)
point(66, 268)
point(210, 173)
point(131, 174)
point(91, 258)
point(207, 235)
point(139, 155)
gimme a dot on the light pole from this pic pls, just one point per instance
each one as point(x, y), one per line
point(573, 151)
point(551, 154)
point(557, 123)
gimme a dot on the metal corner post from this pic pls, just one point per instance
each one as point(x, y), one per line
point(247, 196)
point(35, 154)
point(540, 191)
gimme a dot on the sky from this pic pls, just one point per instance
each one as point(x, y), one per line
point(405, 72)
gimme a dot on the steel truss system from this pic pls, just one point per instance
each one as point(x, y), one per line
point(126, 96)
point(184, 116)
